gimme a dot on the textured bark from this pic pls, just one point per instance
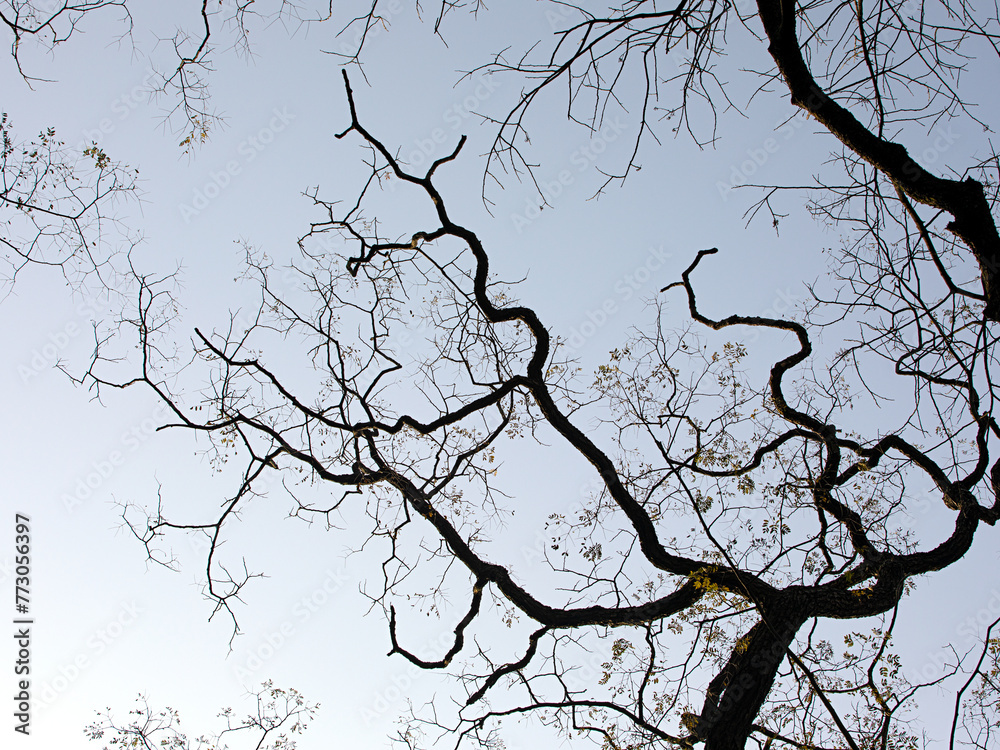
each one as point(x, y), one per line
point(965, 200)
point(735, 696)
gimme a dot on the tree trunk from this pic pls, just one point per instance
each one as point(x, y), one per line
point(734, 698)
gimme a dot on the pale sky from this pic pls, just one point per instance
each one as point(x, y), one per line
point(107, 625)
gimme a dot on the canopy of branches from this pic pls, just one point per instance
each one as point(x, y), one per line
point(741, 510)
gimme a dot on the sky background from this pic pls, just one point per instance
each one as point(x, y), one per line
point(108, 625)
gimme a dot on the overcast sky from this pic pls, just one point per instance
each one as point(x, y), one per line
point(107, 624)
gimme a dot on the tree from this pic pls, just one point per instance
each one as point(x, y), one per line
point(884, 68)
point(59, 210)
point(799, 512)
point(797, 521)
point(278, 716)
